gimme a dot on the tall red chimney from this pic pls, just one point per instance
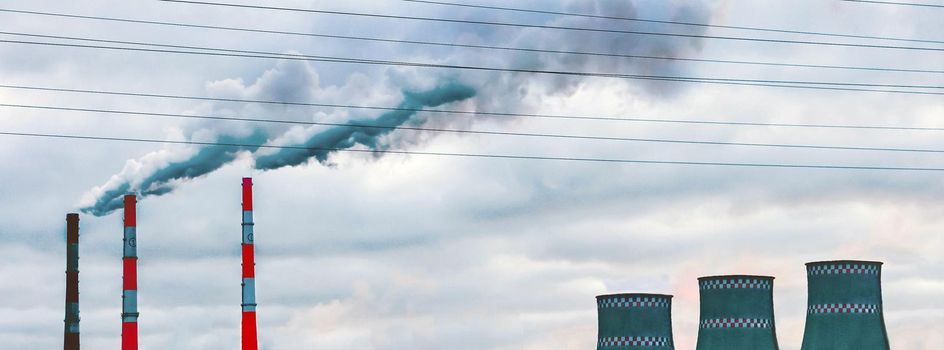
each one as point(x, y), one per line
point(129, 293)
point(249, 336)
point(71, 336)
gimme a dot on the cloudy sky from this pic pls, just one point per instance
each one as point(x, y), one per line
point(366, 250)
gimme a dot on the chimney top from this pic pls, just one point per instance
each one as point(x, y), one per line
point(130, 208)
point(834, 262)
point(719, 277)
point(650, 295)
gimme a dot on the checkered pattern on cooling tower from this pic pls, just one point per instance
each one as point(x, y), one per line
point(735, 323)
point(613, 342)
point(843, 309)
point(735, 282)
point(843, 268)
point(629, 301)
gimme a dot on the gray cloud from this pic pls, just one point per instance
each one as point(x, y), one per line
point(414, 252)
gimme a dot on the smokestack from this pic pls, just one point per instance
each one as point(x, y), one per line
point(129, 292)
point(634, 320)
point(737, 312)
point(71, 336)
point(249, 337)
point(845, 306)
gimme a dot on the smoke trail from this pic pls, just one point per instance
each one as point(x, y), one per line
point(364, 131)
point(155, 174)
point(160, 180)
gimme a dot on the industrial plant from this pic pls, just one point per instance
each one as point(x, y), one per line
point(249, 337)
point(71, 336)
point(635, 320)
point(736, 311)
point(129, 294)
point(129, 287)
point(845, 306)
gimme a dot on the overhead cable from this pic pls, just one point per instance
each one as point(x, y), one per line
point(355, 124)
point(819, 85)
point(554, 27)
point(693, 24)
point(475, 113)
point(480, 155)
point(487, 47)
point(896, 3)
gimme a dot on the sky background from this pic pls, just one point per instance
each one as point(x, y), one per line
point(370, 251)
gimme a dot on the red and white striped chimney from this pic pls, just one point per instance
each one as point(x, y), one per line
point(129, 292)
point(249, 336)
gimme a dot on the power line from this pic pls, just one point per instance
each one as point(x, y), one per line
point(446, 44)
point(474, 113)
point(351, 60)
point(643, 20)
point(818, 85)
point(476, 155)
point(895, 3)
point(473, 132)
point(542, 26)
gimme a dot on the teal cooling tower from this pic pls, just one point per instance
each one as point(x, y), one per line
point(737, 313)
point(845, 306)
point(635, 321)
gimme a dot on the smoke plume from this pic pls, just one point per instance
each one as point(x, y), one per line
point(158, 172)
point(148, 177)
point(366, 132)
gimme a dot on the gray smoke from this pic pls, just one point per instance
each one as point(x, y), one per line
point(158, 173)
point(154, 175)
point(506, 91)
point(365, 132)
point(161, 180)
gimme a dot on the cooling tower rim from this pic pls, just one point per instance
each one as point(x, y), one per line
point(716, 277)
point(666, 296)
point(830, 262)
